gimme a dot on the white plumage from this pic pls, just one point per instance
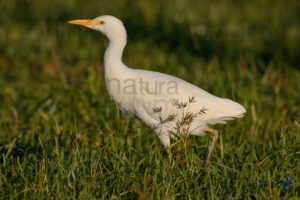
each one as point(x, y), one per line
point(159, 100)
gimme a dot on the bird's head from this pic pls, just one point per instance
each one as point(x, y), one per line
point(110, 26)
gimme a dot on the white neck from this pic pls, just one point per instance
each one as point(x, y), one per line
point(114, 51)
point(114, 69)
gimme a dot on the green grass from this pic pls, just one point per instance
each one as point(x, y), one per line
point(61, 137)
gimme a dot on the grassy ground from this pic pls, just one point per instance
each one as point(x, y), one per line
point(61, 137)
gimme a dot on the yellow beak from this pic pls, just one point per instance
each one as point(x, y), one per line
point(84, 22)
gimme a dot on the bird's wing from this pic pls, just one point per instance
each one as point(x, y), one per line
point(167, 82)
point(168, 92)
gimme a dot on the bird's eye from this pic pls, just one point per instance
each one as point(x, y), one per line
point(101, 22)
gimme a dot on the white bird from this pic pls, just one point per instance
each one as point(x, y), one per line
point(166, 104)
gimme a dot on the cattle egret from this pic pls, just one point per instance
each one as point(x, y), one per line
point(168, 105)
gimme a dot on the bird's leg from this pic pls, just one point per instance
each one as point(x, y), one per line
point(165, 139)
point(214, 134)
point(171, 161)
